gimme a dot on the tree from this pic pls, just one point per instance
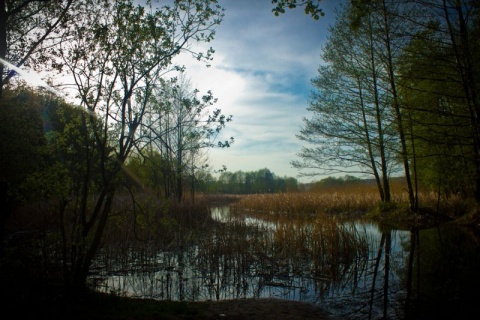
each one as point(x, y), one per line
point(461, 19)
point(352, 128)
point(391, 29)
point(433, 84)
point(29, 33)
point(19, 109)
point(181, 125)
point(390, 64)
point(205, 182)
point(116, 52)
point(260, 181)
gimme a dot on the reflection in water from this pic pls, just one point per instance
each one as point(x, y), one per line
point(443, 273)
point(355, 270)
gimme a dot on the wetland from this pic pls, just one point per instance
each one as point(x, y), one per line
point(304, 255)
point(353, 268)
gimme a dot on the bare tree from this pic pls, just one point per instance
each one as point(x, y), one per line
point(351, 128)
point(180, 126)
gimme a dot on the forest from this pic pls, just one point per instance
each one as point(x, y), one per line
point(395, 102)
point(398, 95)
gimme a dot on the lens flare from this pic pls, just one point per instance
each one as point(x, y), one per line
point(31, 77)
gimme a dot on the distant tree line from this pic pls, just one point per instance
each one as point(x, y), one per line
point(250, 182)
point(332, 182)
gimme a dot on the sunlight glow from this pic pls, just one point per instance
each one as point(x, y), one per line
point(31, 77)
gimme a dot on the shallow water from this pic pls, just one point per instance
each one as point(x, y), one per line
point(391, 273)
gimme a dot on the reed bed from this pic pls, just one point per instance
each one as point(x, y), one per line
point(228, 259)
point(138, 231)
point(350, 201)
point(309, 203)
point(279, 253)
point(163, 221)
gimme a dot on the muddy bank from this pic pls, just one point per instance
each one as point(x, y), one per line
point(264, 309)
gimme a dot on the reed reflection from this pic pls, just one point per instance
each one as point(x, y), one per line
point(355, 270)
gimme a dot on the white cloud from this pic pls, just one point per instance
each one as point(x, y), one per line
point(261, 75)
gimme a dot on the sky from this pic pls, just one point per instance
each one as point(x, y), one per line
point(261, 74)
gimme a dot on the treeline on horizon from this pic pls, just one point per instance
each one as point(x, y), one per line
point(266, 181)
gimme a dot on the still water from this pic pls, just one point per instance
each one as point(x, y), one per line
point(355, 270)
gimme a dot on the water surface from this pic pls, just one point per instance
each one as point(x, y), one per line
point(356, 271)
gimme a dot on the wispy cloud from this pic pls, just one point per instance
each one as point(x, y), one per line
point(261, 75)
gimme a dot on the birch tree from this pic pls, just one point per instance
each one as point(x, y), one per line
point(181, 124)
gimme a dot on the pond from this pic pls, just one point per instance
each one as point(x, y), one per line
point(354, 270)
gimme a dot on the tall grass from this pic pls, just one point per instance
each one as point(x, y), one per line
point(350, 200)
point(237, 258)
point(309, 203)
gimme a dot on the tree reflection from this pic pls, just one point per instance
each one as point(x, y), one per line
point(354, 270)
point(442, 276)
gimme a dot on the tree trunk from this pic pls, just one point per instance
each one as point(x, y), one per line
point(3, 41)
point(370, 148)
point(80, 270)
point(396, 106)
point(381, 141)
point(466, 70)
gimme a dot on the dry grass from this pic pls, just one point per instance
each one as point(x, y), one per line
point(311, 203)
point(351, 201)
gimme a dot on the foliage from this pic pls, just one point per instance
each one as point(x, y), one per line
point(330, 182)
point(32, 161)
point(437, 110)
point(261, 181)
point(117, 53)
point(312, 7)
point(179, 128)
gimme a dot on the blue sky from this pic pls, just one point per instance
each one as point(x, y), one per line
point(261, 75)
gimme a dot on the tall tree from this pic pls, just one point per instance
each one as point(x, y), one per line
point(116, 52)
point(434, 85)
point(461, 18)
point(181, 124)
point(390, 65)
point(390, 29)
point(351, 129)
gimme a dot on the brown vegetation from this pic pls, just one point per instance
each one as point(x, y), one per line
point(358, 200)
